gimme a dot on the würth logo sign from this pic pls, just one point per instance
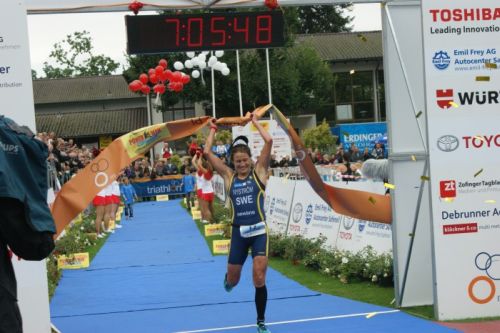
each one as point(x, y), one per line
point(445, 98)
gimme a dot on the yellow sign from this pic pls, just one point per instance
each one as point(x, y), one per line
point(214, 229)
point(73, 261)
point(196, 215)
point(263, 123)
point(105, 141)
point(78, 219)
point(162, 197)
point(221, 246)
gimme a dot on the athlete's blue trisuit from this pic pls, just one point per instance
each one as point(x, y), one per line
point(247, 203)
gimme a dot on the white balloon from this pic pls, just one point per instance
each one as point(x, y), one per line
point(212, 60)
point(219, 53)
point(202, 57)
point(190, 54)
point(225, 71)
point(188, 64)
point(218, 66)
point(178, 65)
point(195, 62)
point(195, 74)
point(205, 52)
point(203, 65)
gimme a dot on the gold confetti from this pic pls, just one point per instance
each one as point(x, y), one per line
point(479, 138)
point(490, 201)
point(363, 38)
point(448, 199)
point(413, 157)
point(285, 179)
point(455, 105)
point(419, 114)
point(483, 78)
point(391, 186)
point(424, 178)
point(373, 201)
point(352, 71)
point(393, 301)
point(368, 316)
point(478, 173)
point(490, 65)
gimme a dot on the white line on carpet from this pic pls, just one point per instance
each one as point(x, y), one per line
point(371, 314)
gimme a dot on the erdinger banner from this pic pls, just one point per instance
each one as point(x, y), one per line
point(461, 55)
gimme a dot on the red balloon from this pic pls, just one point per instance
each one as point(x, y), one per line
point(153, 78)
point(178, 87)
point(135, 85)
point(158, 70)
point(163, 63)
point(168, 74)
point(185, 79)
point(176, 76)
point(161, 89)
point(164, 76)
point(151, 71)
point(171, 86)
point(145, 89)
point(143, 78)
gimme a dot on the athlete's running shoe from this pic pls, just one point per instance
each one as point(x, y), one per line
point(261, 328)
point(227, 286)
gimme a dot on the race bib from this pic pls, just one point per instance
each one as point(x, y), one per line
point(247, 231)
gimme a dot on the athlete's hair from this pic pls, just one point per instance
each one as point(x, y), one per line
point(240, 145)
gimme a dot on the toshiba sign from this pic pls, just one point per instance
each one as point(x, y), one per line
point(465, 14)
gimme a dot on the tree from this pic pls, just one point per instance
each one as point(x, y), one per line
point(320, 137)
point(324, 18)
point(74, 57)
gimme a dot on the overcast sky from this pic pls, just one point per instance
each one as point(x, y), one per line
point(108, 31)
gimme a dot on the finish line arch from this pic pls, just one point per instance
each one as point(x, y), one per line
point(405, 94)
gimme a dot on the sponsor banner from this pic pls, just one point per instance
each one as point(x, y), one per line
point(16, 90)
point(311, 216)
point(281, 141)
point(219, 189)
point(363, 135)
point(73, 261)
point(159, 187)
point(162, 197)
point(214, 229)
point(461, 44)
point(278, 203)
point(196, 214)
point(221, 246)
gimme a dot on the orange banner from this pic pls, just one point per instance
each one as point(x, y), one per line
point(358, 204)
point(76, 194)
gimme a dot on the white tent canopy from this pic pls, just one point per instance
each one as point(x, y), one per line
point(80, 6)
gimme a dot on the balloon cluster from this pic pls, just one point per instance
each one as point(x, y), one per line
point(200, 61)
point(161, 78)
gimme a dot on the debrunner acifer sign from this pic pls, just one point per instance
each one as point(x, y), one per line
point(149, 34)
point(461, 56)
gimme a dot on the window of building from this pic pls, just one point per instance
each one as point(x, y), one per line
point(181, 110)
point(381, 94)
point(353, 97)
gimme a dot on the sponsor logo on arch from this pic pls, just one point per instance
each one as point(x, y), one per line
point(482, 288)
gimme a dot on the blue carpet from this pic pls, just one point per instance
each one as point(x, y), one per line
point(156, 274)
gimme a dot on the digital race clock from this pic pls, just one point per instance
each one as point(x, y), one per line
point(148, 34)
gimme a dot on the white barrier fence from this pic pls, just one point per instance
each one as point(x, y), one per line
point(293, 208)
